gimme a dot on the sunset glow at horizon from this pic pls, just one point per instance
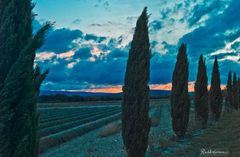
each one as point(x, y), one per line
point(118, 88)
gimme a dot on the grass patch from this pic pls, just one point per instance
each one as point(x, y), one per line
point(155, 116)
point(223, 135)
point(110, 129)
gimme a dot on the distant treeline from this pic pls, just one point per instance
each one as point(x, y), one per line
point(57, 98)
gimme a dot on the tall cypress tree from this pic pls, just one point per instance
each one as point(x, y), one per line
point(235, 91)
point(135, 106)
point(238, 84)
point(19, 82)
point(18, 98)
point(180, 102)
point(15, 31)
point(229, 102)
point(215, 92)
point(201, 93)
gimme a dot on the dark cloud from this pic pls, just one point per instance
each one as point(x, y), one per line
point(161, 69)
point(212, 36)
point(164, 13)
point(202, 9)
point(83, 53)
point(61, 40)
point(131, 19)
point(155, 26)
point(96, 25)
point(106, 5)
point(236, 46)
point(94, 38)
point(77, 21)
point(118, 53)
point(223, 55)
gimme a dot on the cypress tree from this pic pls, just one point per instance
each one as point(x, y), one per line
point(180, 102)
point(215, 92)
point(238, 84)
point(235, 91)
point(135, 106)
point(18, 98)
point(201, 93)
point(229, 102)
point(19, 81)
point(15, 31)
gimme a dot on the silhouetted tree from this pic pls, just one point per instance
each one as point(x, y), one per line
point(15, 31)
point(180, 102)
point(19, 81)
point(229, 102)
point(135, 106)
point(201, 93)
point(235, 91)
point(238, 84)
point(215, 92)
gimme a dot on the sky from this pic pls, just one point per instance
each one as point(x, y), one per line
point(88, 47)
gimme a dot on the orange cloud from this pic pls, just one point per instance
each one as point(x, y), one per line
point(45, 56)
point(168, 86)
point(111, 89)
point(67, 54)
point(118, 88)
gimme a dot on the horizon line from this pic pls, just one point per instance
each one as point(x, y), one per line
point(118, 88)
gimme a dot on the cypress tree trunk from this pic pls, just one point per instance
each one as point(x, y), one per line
point(215, 92)
point(15, 31)
point(229, 102)
point(180, 102)
point(235, 92)
point(135, 106)
point(19, 82)
point(201, 94)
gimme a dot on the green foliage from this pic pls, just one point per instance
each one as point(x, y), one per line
point(19, 82)
point(215, 92)
point(238, 85)
point(201, 93)
point(135, 106)
point(235, 92)
point(180, 102)
point(229, 102)
point(15, 32)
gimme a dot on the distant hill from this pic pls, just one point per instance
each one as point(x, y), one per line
point(153, 93)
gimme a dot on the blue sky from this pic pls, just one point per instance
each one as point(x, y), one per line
point(88, 47)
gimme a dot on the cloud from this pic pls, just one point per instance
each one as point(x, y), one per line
point(77, 21)
point(212, 36)
point(94, 38)
point(207, 7)
point(80, 61)
point(61, 40)
point(155, 26)
point(83, 53)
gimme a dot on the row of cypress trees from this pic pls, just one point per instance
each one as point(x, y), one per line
point(19, 80)
point(135, 105)
point(180, 101)
point(232, 100)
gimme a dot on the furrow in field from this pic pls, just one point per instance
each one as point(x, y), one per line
point(67, 112)
point(67, 135)
point(72, 118)
point(65, 126)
